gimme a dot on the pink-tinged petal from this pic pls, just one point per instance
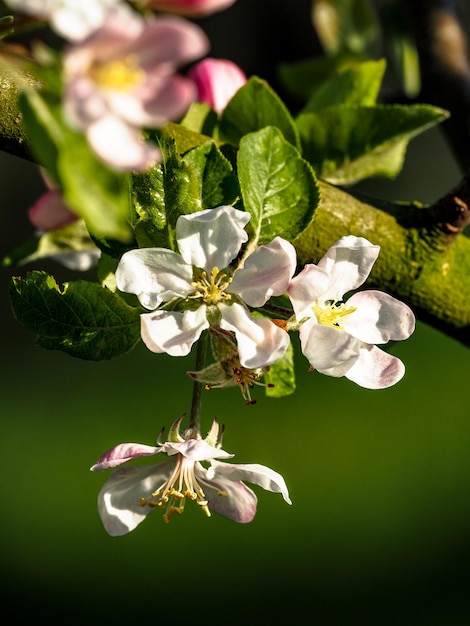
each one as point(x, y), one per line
point(329, 350)
point(155, 275)
point(213, 237)
point(378, 318)
point(226, 497)
point(253, 473)
point(121, 454)
point(76, 20)
point(267, 272)
point(171, 331)
point(119, 499)
point(50, 212)
point(376, 369)
point(195, 450)
point(260, 342)
point(217, 81)
point(348, 263)
point(306, 288)
point(189, 8)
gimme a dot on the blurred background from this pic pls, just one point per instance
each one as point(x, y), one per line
point(379, 529)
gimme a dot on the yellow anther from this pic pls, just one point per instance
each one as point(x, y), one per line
point(331, 312)
point(222, 493)
point(119, 75)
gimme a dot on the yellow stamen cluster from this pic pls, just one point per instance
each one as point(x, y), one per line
point(211, 289)
point(119, 75)
point(182, 484)
point(331, 312)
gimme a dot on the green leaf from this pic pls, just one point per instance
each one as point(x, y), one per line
point(347, 144)
point(160, 196)
point(252, 108)
point(82, 319)
point(278, 186)
point(347, 26)
point(92, 190)
point(356, 85)
point(200, 118)
point(280, 377)
point(217, 180)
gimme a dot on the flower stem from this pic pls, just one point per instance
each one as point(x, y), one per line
point(196, 401)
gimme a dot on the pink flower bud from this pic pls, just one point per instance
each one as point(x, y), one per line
point(189, 8)
point(217, 80)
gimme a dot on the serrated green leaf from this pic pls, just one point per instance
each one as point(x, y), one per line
point(93, 191)
point(182, 138)
point(217, 180)
point(160, 196)
point(253, 107)
point(200, 118)
point(82, 319)
point(347, 144)
point(357, 85)
point(278, 186)
point(281, 376)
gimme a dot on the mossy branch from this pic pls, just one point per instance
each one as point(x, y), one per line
point(424, 259)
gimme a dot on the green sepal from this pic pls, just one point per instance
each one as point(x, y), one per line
point(80, 318)
point(280, 376)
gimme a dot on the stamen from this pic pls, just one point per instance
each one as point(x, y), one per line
point(331, 311)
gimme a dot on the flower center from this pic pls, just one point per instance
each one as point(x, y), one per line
point(212, 288)
point(330, 312)
point(119, 75)
point(180, 485)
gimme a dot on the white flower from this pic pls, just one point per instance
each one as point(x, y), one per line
point(131, 493)
point(72, 19)
point(122, 79)
point(338, 338)
point(199, 281)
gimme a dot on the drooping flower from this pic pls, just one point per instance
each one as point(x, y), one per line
point(189, 8)
point(339, 338)
point(131, 493)
point(122, 78)
point(217, 81)
point(72, 19)
point(202, 290)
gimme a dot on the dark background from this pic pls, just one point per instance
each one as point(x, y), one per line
point(378, 532)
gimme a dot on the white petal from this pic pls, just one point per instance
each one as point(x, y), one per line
point(254, 473)
point(266, 272)
point(229, 498)
point(348, 263)
point(306, 288)
point(171, 331)
point(121, 454)
point(195, 450)
point(213, 237)
point(119, 499)
point(329, 350)
point(260, 341)
point(121, 146)
point(376, 369)
point(378, 318)
point(155, 275)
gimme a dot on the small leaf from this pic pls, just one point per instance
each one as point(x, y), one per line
point(218, 183)
point(347, 144)
point(278, 186)
point(253, 107)
point(281, 376)
point(356, 85)
point(200, 118)
point(82, 319)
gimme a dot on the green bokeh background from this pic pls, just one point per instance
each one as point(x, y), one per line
point(379, 529)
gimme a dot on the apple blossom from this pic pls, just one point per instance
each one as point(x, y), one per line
point(131, 493)
point(122, 78)
point(338, 338)
point(189, 8)
point(72, 19)
point(201, 290)
point(217, 81)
